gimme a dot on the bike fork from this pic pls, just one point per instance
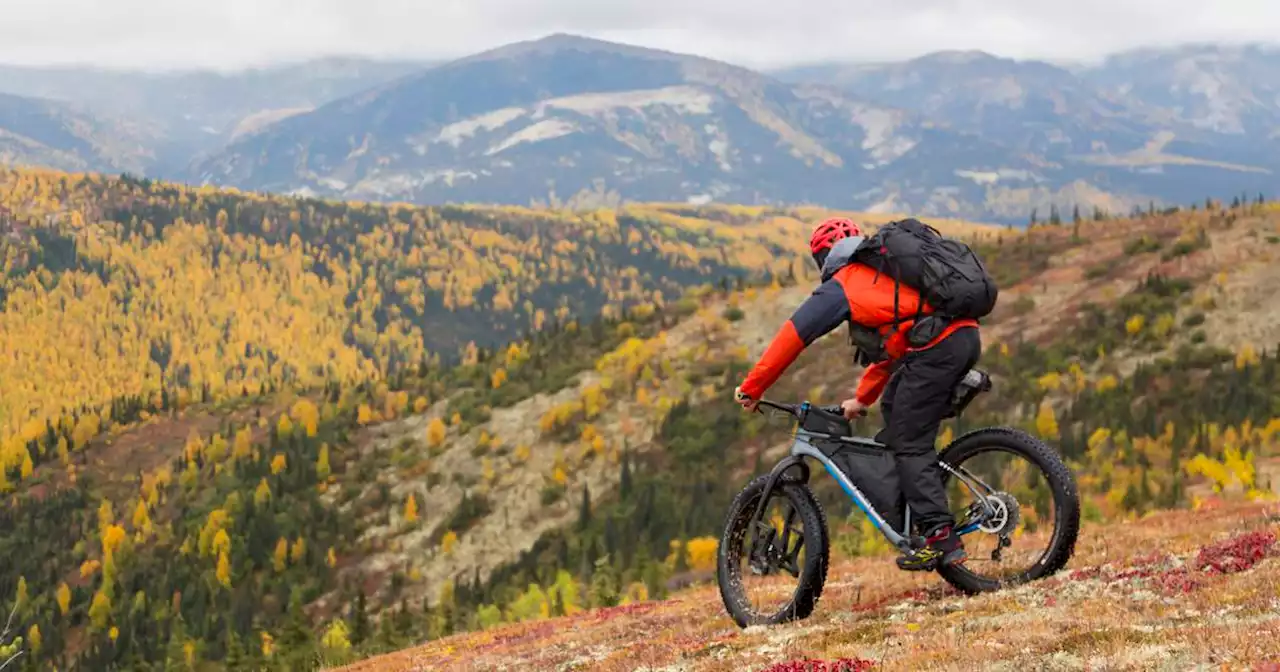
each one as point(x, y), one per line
point(774, 476)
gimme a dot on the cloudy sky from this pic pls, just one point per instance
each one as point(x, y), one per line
point(228, 34)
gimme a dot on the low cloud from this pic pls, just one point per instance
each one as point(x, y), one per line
point(229, 34)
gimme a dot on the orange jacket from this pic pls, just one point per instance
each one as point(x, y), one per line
point(859, 293)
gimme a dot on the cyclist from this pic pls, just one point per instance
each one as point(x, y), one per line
point(917, 365)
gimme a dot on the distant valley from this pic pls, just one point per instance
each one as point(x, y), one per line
point(571, 120)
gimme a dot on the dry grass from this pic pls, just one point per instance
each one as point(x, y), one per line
point(1133, 598)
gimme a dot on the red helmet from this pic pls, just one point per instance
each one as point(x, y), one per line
point(831, 231)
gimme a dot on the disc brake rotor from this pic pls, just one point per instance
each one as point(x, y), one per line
point(1005, 514)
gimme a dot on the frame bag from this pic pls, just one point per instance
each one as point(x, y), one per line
point(875, 473)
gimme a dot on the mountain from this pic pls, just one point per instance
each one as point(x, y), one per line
point(42, 132)
point(567, 117)
point(192, 112)
point(1142, 125)
point(953, 133)
point(1231, 91)
point(1029, 106)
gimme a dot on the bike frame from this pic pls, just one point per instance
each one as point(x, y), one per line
point(803, 447)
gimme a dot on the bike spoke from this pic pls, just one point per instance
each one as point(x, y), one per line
point(1008, 540)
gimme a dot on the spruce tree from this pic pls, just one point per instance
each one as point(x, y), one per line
point(604, 584)
point(235, 658)
point(624, 481)
point(360, 626)
point(584, 511)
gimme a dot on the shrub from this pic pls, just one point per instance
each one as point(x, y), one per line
point(552, 493)
point(1025, 304)
point(1142, 245)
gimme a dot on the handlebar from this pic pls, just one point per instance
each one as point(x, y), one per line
point(795, 409)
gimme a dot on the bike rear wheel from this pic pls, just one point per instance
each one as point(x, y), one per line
point(790, 544)
point(1026, 499)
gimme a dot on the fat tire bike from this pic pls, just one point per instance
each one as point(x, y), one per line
point(1005, 504)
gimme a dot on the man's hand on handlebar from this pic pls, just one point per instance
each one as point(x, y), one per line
point(743, 400)
point(853, 409)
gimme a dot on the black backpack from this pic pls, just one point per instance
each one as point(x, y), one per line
point(946, 272)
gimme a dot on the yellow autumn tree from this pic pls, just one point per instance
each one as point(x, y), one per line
point(280, 557)
point(307, 415)
point(262, 494)
point(285, 426)
point(34, 638)
point(142, 519)
point(63, 597)
point(242, 447)
point(100, 610)
point(223, 571)
point(1047, 422)
point(449, 541)
point(336, 638)
point(1247, 356)
point(322, 462)
point(435, 432)
point(411, 509)
point(700, 553)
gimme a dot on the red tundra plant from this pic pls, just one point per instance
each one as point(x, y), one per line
point(1236, 554)
point(841, 665)
point(1225, 557)
point(1177, 581)
point(632, 609)
point(1086, 573)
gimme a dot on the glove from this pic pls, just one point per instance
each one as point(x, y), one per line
point(743, 400)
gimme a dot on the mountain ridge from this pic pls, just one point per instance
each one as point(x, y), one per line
point(1036, 128)
point(573, 119)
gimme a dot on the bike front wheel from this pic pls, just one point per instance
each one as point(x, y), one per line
point(1035, 503)
point(773, 572)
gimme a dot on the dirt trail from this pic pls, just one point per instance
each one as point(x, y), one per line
point(1172, 590)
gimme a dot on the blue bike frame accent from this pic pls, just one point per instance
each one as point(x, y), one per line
point(803, 447)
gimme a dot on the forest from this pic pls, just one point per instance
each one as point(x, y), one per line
point(253, 432)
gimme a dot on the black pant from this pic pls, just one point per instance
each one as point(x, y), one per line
point(913, 405)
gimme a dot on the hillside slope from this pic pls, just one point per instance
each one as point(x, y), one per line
point(41, 132)
point(188, 113)
point(204, 488)
point(222, 291)
point(196, 383)
point(1171, 590)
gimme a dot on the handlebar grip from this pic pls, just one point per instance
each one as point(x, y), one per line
point(839, 410)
